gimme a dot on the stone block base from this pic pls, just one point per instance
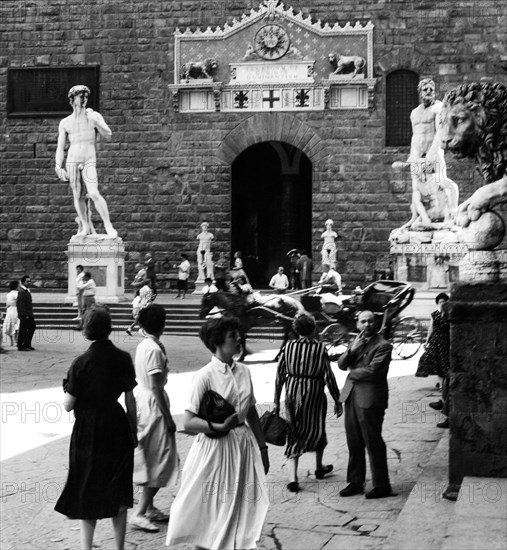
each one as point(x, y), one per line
point(429, 266)
point(484, 265)
point(104, 258)
point(478, 381)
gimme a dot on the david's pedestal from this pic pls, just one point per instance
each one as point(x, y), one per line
point(104, 258)
point(478, 371)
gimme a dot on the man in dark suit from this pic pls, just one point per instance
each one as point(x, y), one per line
point(25, 314)
point(365, 395)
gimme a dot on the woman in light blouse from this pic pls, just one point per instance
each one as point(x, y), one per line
point(223, 500)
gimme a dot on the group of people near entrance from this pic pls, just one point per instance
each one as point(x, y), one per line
point(19, 321)
point(222, 500)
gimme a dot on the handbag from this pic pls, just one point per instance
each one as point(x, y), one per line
point(274, 428)
point(214, 408)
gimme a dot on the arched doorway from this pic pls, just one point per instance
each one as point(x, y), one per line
point(271, 203)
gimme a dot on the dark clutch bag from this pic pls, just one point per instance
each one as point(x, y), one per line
point(274, 428)
point(214, 408)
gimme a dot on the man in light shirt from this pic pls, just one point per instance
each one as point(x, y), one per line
point(88, 290)
point(330, 280)
point(279, 281)
point(183, 275)
point(209, 286)
point(79, 292)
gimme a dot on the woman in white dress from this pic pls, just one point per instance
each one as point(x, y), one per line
point(156, 462)
point(11, 321)
point(223, 499)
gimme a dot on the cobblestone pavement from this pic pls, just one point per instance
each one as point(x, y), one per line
point(35, 449)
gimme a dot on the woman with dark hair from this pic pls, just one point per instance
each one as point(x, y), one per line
point(156, 462)
point(435, 359)
point(223, 500)
point(101, 457)
point(304, 369)
point(11, 321)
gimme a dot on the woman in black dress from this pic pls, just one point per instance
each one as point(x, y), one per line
point(435, 359)
point(101, 456)
point(305, 370)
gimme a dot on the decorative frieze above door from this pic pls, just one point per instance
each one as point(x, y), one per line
point(274, 60)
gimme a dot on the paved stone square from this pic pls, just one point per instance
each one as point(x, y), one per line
point(35, 439)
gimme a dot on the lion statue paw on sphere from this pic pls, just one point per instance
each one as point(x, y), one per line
point(474, 125)
point(198, 69)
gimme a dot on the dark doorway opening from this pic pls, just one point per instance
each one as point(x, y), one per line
point(271, 203)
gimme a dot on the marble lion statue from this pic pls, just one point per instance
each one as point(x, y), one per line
point(341, 63)
point(198, 69)
point(474, 125)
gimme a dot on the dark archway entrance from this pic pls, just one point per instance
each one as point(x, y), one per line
point(271, 202)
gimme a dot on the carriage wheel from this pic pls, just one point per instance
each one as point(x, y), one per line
point(406, 337)
point(335, 336)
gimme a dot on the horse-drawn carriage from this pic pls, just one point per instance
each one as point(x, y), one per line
point(336, 318)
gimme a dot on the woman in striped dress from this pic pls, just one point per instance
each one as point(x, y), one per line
point(304, 369)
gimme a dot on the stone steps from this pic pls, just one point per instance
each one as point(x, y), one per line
point(182, 319)
point(477, 520)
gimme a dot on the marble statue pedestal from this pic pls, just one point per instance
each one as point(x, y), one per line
point(428, 266)
point(104, 258)
point(478, 381)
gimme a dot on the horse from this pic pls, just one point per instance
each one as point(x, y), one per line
point(253, 312)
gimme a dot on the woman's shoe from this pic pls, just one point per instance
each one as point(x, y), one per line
point(156, 515)
point(128, 332)
point(293, 486)
point(319, 474)
point(142, 523)
point(437, 405)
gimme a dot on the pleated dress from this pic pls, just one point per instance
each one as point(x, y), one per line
point(435, 359)
point(101, 456)
point(223, 498)
point(156, 462)
point(305, 370)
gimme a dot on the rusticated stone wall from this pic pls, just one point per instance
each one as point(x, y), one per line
point(162, 173)
point(478, 381)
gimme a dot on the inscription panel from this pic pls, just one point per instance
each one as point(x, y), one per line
point(261, 73)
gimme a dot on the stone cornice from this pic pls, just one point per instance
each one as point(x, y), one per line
point(279, 11)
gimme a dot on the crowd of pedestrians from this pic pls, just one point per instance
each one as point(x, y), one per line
point(113, 448)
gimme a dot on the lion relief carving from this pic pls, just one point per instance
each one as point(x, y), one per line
point(474, 125)
point(198, 69)
point(346, 63)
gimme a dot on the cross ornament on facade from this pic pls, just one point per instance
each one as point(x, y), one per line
point(271, 98)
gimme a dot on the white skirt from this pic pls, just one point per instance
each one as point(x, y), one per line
point(223, 499)
point(11, 321)
point(156, 461)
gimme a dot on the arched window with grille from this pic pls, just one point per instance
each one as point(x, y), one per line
point(401, 99)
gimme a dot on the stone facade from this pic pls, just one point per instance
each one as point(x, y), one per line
point(164, 172)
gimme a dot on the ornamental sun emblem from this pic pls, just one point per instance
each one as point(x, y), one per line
point(271, 42)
